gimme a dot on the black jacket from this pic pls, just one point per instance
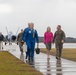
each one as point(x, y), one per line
point(1, 37)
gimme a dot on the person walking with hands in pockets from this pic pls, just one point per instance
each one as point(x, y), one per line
point(48, 38)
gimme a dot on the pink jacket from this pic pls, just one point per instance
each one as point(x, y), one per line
point(48, 37)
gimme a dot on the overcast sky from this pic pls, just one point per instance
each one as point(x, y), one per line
point(43, 13)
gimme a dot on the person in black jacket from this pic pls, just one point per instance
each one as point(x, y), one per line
point(1, 41)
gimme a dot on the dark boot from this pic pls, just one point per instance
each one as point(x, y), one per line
point(28, 58)
point(56, 57)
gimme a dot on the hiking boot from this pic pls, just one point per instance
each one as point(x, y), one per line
point(56, 57)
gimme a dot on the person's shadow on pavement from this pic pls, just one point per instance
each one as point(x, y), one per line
point(59, 67)
point(48, 67)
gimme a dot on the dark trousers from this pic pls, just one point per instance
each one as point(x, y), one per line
point(59, 48)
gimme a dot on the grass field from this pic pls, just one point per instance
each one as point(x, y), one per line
point(9, 65)
point(67, 53)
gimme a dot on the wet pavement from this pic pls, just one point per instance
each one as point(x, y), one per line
point(46, 66)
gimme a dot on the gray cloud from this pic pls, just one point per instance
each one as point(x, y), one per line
point(42, 12)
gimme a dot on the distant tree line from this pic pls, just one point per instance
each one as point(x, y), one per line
point(67, 40)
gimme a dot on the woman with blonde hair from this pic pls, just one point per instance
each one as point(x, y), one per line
point(48, 38)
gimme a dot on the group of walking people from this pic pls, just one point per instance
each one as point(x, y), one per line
point(29, 37)
point(58, 38)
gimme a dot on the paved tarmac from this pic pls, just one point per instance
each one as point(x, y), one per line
point(44, 65)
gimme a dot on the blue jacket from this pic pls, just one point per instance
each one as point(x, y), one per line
point(30, 35)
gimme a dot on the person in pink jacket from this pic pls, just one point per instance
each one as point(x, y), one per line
point(48, 38)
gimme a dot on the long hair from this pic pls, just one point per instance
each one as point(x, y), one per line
point(49, 29)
